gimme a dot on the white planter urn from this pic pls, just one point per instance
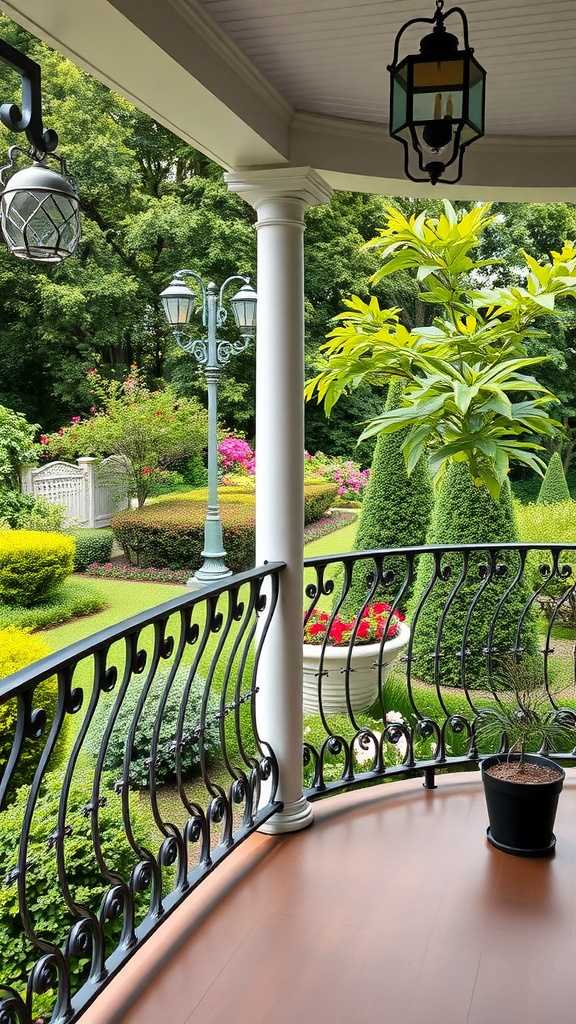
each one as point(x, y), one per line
point(363, 675)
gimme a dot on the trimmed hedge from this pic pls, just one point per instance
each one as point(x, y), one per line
point(466, 514)
point(17, 650)
point(33, 564)
point(171, 533)
point(554, 488)
point(91, 546)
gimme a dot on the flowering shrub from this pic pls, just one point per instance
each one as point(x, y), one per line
point(336, 520)
point(113, 571)
point(350, 478)
point(369, 629)
point(237, 455)
point(146, 431)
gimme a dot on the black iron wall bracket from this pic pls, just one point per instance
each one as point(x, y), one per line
point(28, 117)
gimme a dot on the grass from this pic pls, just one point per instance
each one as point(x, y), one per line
point(125, 599)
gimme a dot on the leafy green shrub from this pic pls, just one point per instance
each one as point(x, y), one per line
point(466, 514)
point(25, 512)
point(193, 471)
point(318, 498)
point(18, 650)
point(171, 533)
point(554, 489)
point(91, 546)
point(75, 597)
point(537, 526)
point(17, 447)
point(43, 892)
point(395, 512)
point(33, 564)
point(165, 767)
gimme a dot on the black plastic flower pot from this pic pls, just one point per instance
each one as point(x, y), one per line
point(522, 815)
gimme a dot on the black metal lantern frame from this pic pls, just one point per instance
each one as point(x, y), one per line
point(40, 208)
point(437, 98)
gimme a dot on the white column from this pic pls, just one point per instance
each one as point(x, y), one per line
point(280, 197)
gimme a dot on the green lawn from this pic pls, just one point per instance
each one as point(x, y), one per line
point(125, 599)
point(128, 598)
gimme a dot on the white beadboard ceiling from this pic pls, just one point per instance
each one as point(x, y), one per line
point(330, 56)
point(280, 83)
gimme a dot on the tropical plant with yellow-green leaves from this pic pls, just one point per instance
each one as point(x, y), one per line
point(468, 396)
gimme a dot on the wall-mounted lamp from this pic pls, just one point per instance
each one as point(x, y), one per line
point(40, 208)
point(437, 98)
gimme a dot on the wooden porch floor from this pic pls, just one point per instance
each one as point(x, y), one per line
point(393, 907)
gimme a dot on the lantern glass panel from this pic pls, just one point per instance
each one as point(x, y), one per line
point(399, 100)
point(399, 105)
point(178, 309)
point(434, 106)
point(476, 99)
point(444, 74)
point(40, 225)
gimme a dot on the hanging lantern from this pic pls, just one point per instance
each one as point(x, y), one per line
point(40, 212)
point(436, 99)
point(40, 208)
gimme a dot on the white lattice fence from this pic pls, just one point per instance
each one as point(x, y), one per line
point(89, 496)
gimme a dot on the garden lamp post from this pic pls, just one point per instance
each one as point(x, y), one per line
point(40, 208)
point(211, 354)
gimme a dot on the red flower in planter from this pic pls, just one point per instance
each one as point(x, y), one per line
point(369, 628)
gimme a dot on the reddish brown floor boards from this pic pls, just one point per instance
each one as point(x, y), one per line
point(392, 907)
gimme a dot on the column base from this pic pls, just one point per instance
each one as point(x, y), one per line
point(292, 818)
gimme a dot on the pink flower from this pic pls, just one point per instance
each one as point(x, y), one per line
point(75, 419)
point(44, 439)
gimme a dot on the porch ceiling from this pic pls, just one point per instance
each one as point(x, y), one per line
point(289, 82)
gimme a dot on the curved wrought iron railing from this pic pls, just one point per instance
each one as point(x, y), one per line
point(132, 765)
point(485, 631)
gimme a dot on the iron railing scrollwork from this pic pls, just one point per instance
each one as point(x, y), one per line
point(470, 612)
point(137, 775)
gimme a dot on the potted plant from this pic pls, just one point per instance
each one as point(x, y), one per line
point(522, 789)
point(345, 662)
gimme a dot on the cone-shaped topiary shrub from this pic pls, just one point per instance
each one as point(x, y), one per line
point(395, 513)
point(554, 488)
point(466, 514)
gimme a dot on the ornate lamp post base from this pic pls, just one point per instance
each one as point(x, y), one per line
point(211, 569)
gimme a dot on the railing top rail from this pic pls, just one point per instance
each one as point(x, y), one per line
point(352, 556)
point(20, 681)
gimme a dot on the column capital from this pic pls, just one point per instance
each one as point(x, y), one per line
point(259, 186)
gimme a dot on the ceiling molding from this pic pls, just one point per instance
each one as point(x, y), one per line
point(227, 51)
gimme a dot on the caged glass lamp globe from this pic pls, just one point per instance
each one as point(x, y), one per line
point(40, 214)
